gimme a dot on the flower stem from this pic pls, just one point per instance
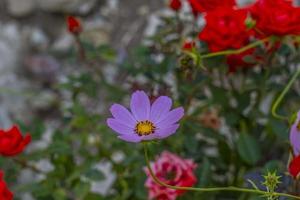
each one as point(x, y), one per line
point(23, 163)
point(81, 50)
point(281, 96)
point(237, 51)
point(215, 189)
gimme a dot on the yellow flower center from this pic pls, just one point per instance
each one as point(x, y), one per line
point(144, 128)
point(298, 126)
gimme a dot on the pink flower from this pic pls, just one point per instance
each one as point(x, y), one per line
point(173, 170)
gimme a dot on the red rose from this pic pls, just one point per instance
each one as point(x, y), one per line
point(188, 45)
point(175, 4)
point(294, 167)
point(276, 17)
point(5, 194)
point(225, 29)
point(199, 6)
point(12, 142)
point(172, 170)
point(74, 25)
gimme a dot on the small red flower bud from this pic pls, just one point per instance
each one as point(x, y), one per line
point(175, 5)
point(12, 142)
point(5, 194)
point(294, 167)
point(74, 25)
point(188, 45)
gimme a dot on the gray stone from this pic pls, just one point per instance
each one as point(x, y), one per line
point(63, 43)
point(73, 6)
point(44, 68)
point(13, 95)
point(96, 32)
point(20, 8)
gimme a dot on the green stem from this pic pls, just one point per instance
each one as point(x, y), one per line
point(24, 163)
point(237, 51)
point(282, 95)
point(216, 189)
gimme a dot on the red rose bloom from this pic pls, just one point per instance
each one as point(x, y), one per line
point(225, 29)
point(74, 25)
point(294, 167)
point(12, 142)
point(172, 170)
point(175, 4)
point(5, 194)
point(276, 17)
point(199, 6)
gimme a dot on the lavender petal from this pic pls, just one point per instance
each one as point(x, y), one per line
point(121, 114)
point(166, 132)
point(159, 108)
point(140, 105)
point(170, 118)
point(119, 127)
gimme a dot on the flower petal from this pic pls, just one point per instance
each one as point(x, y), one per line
point(166, 132)
point(119, 127)
point(140, 105)
point(121, 114)
point(130, 138)
point(295, 136)
point(159, 108)
point(170, 118)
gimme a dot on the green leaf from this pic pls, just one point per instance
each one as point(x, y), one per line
point(60, 147)
point(94, 174)
point(248, 149)
point(81, 190)
point(59, 194)
point(92, 196)
point(279, 128)
point(205, 173)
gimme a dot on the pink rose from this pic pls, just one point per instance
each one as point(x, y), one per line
point(172, 170)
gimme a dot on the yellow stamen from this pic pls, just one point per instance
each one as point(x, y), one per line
point(298, 126)
point(144, 128)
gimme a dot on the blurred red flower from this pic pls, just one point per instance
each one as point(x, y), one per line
point(294, 166)
point(172, 170)
point(74, 25)
point(175, 4)
point(188, 45)
point(225, 29)
point(199, 6)
point(12, 142)
point(236, 61)
point(5, 194)
point(276, 17)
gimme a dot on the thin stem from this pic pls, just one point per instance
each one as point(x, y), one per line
point(81, 50)
point(282, 95)
point(23, 163)
point(237, 51)
point(216, 189)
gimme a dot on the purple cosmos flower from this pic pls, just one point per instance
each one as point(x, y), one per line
point(146, 121)
point(295, 135)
